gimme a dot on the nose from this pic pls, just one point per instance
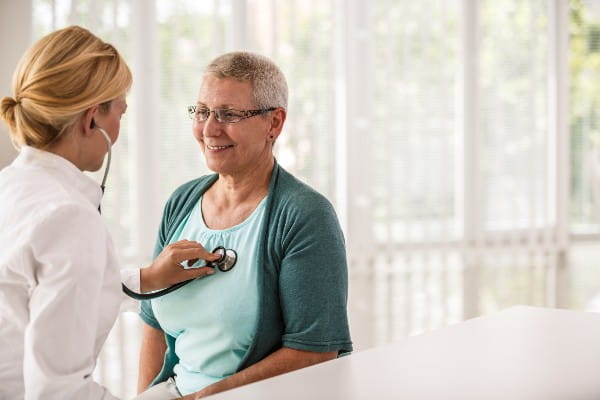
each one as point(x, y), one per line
point(211, 127)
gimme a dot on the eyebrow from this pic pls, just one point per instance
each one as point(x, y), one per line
point(226, 106)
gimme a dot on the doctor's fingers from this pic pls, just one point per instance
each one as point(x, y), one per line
point(179, 255)
point(182, 245)
point(190, 244)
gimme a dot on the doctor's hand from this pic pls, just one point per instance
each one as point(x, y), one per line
point(167, 270)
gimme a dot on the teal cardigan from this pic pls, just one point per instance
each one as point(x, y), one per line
point(303, 280)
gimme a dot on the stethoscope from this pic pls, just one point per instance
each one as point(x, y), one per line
point(226, 261)
point(109, 146)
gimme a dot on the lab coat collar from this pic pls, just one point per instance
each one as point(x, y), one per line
point(67, 171)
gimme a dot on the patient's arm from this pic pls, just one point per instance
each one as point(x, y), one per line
point(152, 355)
point(278, 362)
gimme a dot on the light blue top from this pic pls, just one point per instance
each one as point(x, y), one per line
point(213, 319)
point(302, 275)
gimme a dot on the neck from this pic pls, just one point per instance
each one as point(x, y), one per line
point(67, 148)
point(253, 184)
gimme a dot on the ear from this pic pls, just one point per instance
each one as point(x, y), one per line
point(277, 121)
point(87, 120)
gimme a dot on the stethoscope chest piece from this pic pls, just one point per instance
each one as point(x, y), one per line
point(227, 260)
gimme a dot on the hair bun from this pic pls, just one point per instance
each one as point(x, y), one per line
point(8, 102)
point(7, 110)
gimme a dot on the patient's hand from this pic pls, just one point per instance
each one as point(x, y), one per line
point(167, 270)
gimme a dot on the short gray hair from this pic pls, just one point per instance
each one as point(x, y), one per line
point(269, 88)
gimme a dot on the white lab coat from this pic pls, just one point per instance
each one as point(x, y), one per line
point(60, 283)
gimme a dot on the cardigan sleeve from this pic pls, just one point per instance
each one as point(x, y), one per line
point(313, 284)
point(147, 315)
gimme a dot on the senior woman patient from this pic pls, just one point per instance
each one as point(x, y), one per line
point(283, 305)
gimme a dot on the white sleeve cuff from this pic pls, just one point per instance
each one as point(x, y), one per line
point(130, 278)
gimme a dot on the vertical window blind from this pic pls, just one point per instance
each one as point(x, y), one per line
point(456, 139)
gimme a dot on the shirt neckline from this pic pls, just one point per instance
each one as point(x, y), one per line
point(198, 211)
point(70, 174)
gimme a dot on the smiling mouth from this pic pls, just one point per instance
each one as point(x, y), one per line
point(218, 147)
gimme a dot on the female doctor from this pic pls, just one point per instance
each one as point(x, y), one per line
point(60, 284)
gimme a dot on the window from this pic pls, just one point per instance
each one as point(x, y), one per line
point(440, 130)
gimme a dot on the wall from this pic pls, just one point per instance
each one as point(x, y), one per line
point(15, 37)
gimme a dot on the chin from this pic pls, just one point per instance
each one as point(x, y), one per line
point(95, 167)
point(213, 167)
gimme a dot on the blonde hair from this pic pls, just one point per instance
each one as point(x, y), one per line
point(269, 87)
point(57, 79)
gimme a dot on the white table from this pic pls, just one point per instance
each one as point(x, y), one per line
point(520, 353)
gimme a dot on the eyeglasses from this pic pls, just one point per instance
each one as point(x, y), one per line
point(225, 115)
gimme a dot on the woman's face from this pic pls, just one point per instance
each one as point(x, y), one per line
point(232, 148)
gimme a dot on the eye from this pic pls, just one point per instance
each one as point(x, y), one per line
point(228, 113)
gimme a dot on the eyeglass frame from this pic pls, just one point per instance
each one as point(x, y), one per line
point(246, 113)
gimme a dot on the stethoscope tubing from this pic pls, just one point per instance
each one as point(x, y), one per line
point(225, 263)
point(109, 152)
point(153, 295)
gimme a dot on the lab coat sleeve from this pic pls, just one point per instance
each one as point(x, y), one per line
point(69, 251)
point(130, 277)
